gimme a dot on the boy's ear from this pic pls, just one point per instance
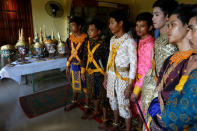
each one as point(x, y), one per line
point(99, 32)
point(186, 26)
point(121, 23)
point(150, 28)
point(80, 27)
point(167, 18)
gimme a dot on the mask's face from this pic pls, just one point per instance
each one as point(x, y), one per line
point(5, 53)
point(62, 50)
point(39, 51)
point(47, 47)
point(51, 49)
point(22, 50)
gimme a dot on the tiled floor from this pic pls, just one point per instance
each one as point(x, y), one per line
point(12, 117)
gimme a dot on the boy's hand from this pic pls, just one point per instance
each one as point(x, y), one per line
point(127, 92)
point(133, 97)
point(68, 71)
point(105, 82)
point(83, 77)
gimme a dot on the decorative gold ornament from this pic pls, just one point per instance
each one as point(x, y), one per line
point(7, 47)
point(49, 41)
point(21, 41)
point(38, 45)
point(60, 44)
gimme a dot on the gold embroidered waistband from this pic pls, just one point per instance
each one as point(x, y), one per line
point(91, 71)
point(119, 69)
point(79, 63)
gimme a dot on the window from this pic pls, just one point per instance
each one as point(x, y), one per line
point(15, 14)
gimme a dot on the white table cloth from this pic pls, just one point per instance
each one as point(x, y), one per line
point(18, 70)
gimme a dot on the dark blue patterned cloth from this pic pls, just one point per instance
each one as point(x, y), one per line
point(180, 111)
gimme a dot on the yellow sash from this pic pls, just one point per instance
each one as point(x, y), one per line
point(91, 59)
point(112, 62)
point(74, 52)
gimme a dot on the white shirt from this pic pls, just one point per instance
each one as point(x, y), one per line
point(126, 55)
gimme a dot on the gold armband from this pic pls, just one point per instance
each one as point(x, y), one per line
point(182, 82)
point(83, 70)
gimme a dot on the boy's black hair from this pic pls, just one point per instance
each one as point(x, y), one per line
point(78, 20)
point(120, 15)
point(145, 16)
point(183, 13)
point(98, 24)
point(193, 12)
point(167, 6)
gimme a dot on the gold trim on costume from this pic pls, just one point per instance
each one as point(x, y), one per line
point(79, 63)
point(149, 121)
point(154, 70)
point(119, 69)
point(182, 82)
point(74, 52)
point(91, 71)
point(138, 77)
point(76, 81)
point(79, 39)
point(83, 70)
point(137, 90)
point(92, 60)
point(85, 90)
point(180, 56)
point(176, 58)
point(112, 62)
